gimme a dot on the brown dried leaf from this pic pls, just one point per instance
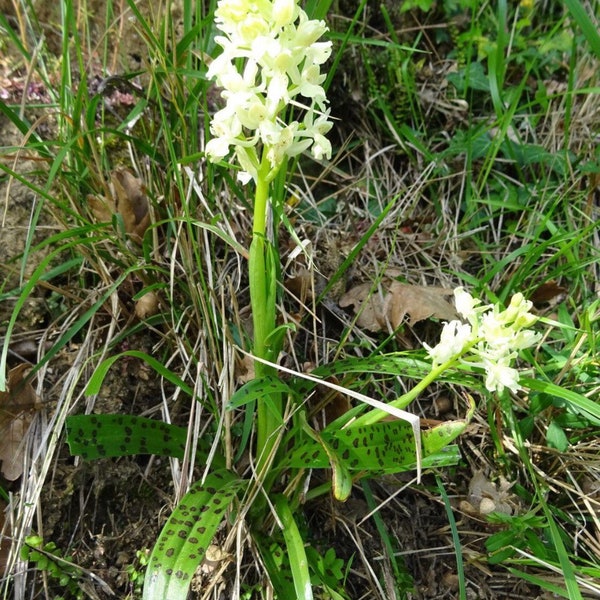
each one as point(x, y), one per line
point(244, 369)
point(548, 293)
point(488, 497)
point(16, 405)
point(147, 306)
point(300, 285)
point(129, 201)
point(399, 300)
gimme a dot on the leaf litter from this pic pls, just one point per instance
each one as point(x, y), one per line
point(17, 406)
point(377, 312)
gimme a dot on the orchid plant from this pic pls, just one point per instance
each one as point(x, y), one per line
point(269, 69)
point(278, 46)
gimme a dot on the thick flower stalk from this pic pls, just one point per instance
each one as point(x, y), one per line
point(490, 339)
point(269, 69)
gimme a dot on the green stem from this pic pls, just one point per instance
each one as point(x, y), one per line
point(263, 288)
point(376, 414)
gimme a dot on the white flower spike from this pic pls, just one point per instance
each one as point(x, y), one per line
point(490, 340)
point(277, 43)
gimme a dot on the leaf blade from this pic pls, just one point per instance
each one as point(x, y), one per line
point(183, 541)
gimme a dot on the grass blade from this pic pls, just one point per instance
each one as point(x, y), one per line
point(295, 547)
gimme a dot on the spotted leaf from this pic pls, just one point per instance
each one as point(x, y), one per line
point(383, 447)
point(261, 388)
point(104, 436)
point(189, 531)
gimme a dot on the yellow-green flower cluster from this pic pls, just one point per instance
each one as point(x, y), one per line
point(490, 339)
point(277, 45)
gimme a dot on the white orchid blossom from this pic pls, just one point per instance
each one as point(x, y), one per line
point(490, 340)
point(277, 43)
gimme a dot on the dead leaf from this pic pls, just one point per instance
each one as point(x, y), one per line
point(147, 305)
point(548, 293)
point(244, 369)
point(16, 406)
point(399, 300)
point(131, 202)
point(128, 200)
point(300, 285)
point(487, 497)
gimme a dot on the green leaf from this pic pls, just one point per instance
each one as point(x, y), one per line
point(277, 565)
point(182, 543)
point(105, 436)
point(101, 436)
point(256, 389)
point(295, 550)
point(577, 402)
point(97, 378)
point(438, 437)
point(585, 22)
point(384, 447)
point(556, 437)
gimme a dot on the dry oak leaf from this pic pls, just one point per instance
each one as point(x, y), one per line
point(128, 200)
point(399, 300)
point(16, 413)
